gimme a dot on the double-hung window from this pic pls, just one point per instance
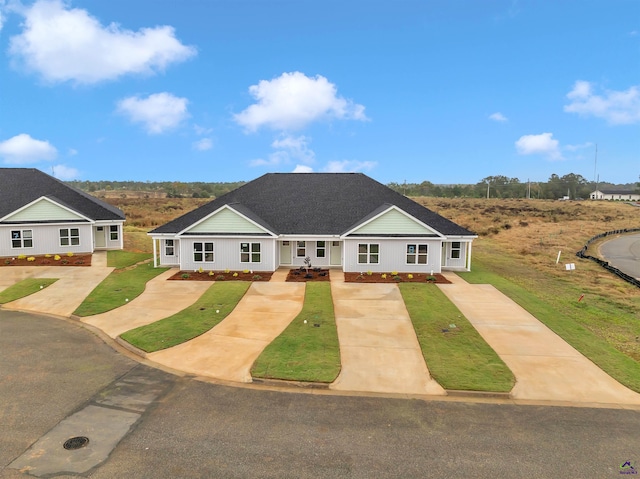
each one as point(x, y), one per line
point(368, 253)
point(69, 236)
point(169, 247)
point(22, 238)
point(113, 232)
point(202, 252)
point(250, 253)
point(321, 249)
point(417, 253)
point(301, 249)
point(456, 248)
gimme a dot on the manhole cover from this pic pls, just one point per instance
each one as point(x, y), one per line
point(76, 442)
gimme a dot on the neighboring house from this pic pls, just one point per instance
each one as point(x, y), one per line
point(41, 215)
point(620, 195)
point(341, 220)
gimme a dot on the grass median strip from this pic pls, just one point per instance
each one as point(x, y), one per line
point(213, 306)
point(597, 327)
point(122, 259)
point(114, 291)
point(308, 349)
point(25, 288)
point(457, 356)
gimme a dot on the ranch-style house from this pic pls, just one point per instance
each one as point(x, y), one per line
point(40, 214)
point(339, 220)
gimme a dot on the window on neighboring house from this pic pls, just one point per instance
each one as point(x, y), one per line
point(69, 237)
point(368, 253)
point(456, 248)
point(250, 253)
point(321, 249)
point(203, 252)
point(169, 248)
point(301, 249)
point(417, 253)
point(113, 232)
point(22, 239)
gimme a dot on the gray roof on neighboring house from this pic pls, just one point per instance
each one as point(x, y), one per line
point(21, 186)
point(313, 204)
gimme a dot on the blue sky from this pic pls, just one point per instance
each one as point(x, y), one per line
point(406, 90)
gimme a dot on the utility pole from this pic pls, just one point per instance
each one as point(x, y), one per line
point(596, 178)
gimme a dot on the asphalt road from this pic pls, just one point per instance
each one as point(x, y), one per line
point(623, 253)
point(51, 370)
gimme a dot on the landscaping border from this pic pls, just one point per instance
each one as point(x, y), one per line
point(605, 264)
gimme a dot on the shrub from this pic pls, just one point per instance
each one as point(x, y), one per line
point(31, 258)
point(369, 273)
point(431, 279)
point(397, 278)
point(56, 257)
point(69, 254)
point(383, 275)
point(220, 277)
point(235, 275)
point(22, 256)
point(226, 270)
point(200, 270)
point(394, 273)
point(47, 256)
point(257, 277)
point(211, 273)
point(186, 276)
point(245, 271)
point(410, 276)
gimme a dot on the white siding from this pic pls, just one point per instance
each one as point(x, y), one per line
point(225, 221)
point(44, 210)
point(227, 254)
point(392, 256)
point(169, 260)
point(311, 252)
point(46, 239)
point(454, 263)
point(117, 243)
point(393, 222)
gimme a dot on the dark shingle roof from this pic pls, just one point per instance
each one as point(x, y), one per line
point(21, 186)
point(313, 203)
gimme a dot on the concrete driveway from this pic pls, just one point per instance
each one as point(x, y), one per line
point(160, 299)
point(545, 366)
point(228, 350)
point(379, 349)
point(64, 296)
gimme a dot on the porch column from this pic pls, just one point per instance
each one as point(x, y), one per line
point(469, 244)
point(155, 258)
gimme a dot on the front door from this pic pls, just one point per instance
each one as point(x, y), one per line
point(100, 237)
point(285, 252)
point(335, 254)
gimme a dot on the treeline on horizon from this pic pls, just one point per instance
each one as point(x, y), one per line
point(572, 185)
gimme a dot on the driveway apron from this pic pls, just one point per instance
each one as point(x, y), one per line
point(379, 349)
point(229, 349)
point(64, 296)
point(160, 299)
point(545, 366)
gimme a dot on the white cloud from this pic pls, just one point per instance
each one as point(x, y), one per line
point(295, 148)
point(63, 172)
point(349, 166)
point(72, 152)
point(203, 145)
point(158, 112)
point(497, 116)
point(542, 144)
point(616, 107)
point(293, 101)
point(302, 169)
point(588, 144)
point(68, 44)
point(22, 149)
point(201, 130)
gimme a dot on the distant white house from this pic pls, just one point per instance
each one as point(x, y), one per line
point(619, 195)
point(340, 220)
point(42, 215)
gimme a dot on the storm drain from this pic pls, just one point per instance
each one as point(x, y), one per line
point(76, 442)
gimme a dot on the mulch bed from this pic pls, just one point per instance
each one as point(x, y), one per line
point(404, 278)
point(221, 276)
point(42, 260)
point(301, 276)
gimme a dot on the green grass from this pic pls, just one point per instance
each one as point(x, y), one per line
point(192, 321)
point(115, 289)
point(25, 288)
point(122, 259)
point(594, 326)
point(304, 352)
point(457, 359)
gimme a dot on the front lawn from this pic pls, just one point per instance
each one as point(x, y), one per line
point(308, 349)
point(455, 353)
point(213, 306)
point(25, 288)
point(121, 285)
point(120, 259)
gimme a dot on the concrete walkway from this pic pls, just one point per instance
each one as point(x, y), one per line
point(379, 349)
point(160, 299)
point(64, 296)
point(229, 349)
point(545, 366)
